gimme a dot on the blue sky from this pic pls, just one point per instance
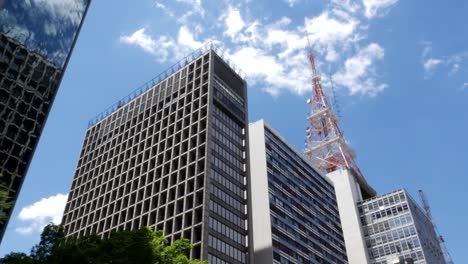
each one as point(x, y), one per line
point(399, 69)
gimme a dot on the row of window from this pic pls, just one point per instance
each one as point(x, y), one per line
point(300, 166)
point(107, 126)
point(226, 214)
point(111, 189)
point(165, 88)
point(302, 207)
point(386, 201)
point(228, 199)
point(415, 255)
point(388, 225)
point(126, 172)
point(149, 146)
point(391, 236)
point(215, 260)
point(130, 123)
point(228, 121)
point(226, 182)
point(233, 147)
point(228, 130)
point(238, 101)
point(226, 249)
point(228, 170)
point(394, 247)
point(227, 231)
point(233, 160)
point(393, 211)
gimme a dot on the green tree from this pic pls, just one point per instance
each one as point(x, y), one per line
point(16, 258)
point(137, 246)
point(5, 202)
point(52, 241)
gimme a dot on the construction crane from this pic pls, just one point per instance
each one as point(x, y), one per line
point(325, 145)
point(427, 209)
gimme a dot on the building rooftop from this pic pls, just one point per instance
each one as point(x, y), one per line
point(163, 75)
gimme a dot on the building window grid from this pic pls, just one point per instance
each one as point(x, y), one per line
point(385, 236)
point(293, 157)
point(228, 164)
point(321, 227)
point(275, 145)
point(89, 157)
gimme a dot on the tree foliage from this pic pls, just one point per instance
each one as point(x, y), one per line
point(138, 246)
point(5, 202)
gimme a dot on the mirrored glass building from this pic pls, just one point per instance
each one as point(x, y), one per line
point(36, 40)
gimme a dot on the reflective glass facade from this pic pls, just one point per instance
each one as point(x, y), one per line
point(36, 39)
point(302, 219)
point(173, 158)
point(396, 227)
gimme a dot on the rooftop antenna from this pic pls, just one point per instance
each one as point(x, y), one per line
point(325, 144)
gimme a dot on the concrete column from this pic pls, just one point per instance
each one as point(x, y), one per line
point(348, 194)
point(261, 220)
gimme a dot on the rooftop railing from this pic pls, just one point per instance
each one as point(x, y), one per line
point(163, 75)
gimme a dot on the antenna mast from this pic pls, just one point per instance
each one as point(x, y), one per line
point(427, 209)
point(325, 145)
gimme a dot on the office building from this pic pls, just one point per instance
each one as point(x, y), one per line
point(35, 45)
point(294, 209)
point(175, 158)
point(397, 230)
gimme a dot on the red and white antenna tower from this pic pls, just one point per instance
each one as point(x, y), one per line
point(325, 145)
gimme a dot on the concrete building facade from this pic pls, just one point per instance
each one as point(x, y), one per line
point(349, 192)
point(396, 229)
point(33, 59)
point(174, 158)
point(294, 210)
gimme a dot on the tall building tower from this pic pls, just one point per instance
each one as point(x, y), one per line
point(35, 46)
point(395, 228)
point(294, 210)
point(175, 158)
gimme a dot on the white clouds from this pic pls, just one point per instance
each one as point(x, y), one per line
point(377, 7)
point(165, 47)
point(141, 39)
point(327, 32)
point(450, 63)
point(164, 8)
point(186, 39)
point(270, 73)
point(196, 8)
point(348, 6)
point(41, 213)
point(325, 29)
point(291, 3)
point(233, 22)
point(358, 72)
point(273, 51)
point(431, 64)
point(160, 47)
point(70, 10)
